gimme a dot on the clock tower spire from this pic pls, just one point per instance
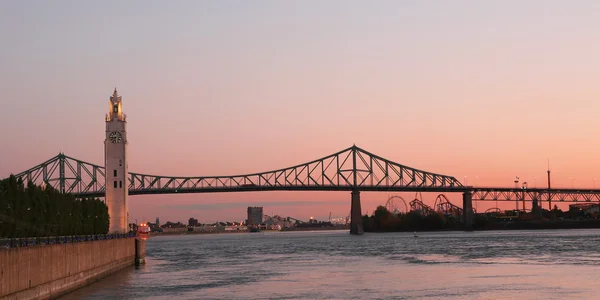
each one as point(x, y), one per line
point(115, 164)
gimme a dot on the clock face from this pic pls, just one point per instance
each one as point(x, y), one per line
point(115, 137)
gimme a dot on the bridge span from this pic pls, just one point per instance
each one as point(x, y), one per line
point(352, 169)
point(347, 170)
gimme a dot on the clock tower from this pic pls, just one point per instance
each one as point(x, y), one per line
point(115, 163)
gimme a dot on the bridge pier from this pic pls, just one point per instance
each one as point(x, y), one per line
point(356, 226)
point(467, 210)
point(536, 208)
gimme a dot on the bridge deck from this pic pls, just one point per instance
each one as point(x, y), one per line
point(347, 170)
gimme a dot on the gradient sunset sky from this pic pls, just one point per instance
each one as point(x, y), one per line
point(484, 89)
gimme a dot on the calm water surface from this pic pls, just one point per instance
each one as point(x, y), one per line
point(558, 264)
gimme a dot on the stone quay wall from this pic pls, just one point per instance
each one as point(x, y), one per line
point(49, 271)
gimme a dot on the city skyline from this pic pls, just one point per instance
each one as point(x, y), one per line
point(486, 91)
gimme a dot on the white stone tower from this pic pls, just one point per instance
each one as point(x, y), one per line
point(115, 163)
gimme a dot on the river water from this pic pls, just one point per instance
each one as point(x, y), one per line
point(540, 264)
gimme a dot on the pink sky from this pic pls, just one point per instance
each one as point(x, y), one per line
point(484, 90)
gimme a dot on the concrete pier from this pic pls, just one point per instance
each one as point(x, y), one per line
point(356, 226)
point(467, 211)
point(140, 251)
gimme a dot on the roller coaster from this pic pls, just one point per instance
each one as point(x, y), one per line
point(442, 206)
point(493, 210)
point(418, 206)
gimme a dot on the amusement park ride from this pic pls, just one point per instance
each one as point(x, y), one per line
point(396, 204)
point(442, 205)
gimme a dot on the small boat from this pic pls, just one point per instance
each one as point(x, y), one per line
point(416, 234)
point(143, 230)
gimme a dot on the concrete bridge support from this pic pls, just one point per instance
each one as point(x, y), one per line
point(536, 208)
point(356, 226)
point(468, 210)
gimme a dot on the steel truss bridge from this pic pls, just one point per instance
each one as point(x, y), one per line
point(559, 195)
point(535, 195)
point(351, 169)
point(348, 170)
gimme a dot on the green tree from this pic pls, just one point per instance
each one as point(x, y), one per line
point(33, 211)
point(433, 221)
point(413, 221)
point(381, 218)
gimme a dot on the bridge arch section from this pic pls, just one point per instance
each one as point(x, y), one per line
point(350, 169)
point(67, 175)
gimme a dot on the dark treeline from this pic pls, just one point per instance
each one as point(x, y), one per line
point(34, 211)
point(383, 220)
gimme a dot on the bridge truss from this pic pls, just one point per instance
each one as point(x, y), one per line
point(350, 169)
point(528, 195)
point(68, 175)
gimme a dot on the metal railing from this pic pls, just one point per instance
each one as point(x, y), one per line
point(51, 240)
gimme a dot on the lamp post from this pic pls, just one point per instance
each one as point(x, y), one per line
point(476, 184)
point(571, 182)
point(524, 187)
point(516, 187)
point(466, 180)
point(598, 199)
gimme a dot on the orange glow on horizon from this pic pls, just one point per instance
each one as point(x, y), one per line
point(461, 90)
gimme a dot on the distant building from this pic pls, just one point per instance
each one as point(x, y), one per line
point(157, 222)
point(586, 208)
point(193, 222)
point(255, 215)
point(277, 223)
point(170, 224)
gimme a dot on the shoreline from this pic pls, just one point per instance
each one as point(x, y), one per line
point(518, 225)
point(185, 232)
point(499, 226)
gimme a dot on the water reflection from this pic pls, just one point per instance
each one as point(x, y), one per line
point(334, 265)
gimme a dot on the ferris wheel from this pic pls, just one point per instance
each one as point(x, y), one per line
point(396, 205)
